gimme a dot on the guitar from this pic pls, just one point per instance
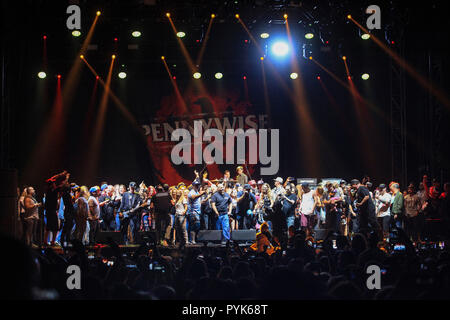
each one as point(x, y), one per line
point(129, 213)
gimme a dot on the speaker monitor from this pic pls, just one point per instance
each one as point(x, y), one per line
point(209, 235)
point(320, 234)
point(243, 235)
point(146, 236)
point(102, 236)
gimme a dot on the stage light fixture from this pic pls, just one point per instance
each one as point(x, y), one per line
point(309, 35)
point(181, 34)
point(197, 75)
point(42, 75)
point(122, 75)
point(264, 35)
point(98, 13)
point(97, 77)
point(262, 58)
point(162, 57)
point(113, 56)
point(44, 37)
point(365, 76)
point(344, 58)
point(318, 77)
point(136, 34)
point(76, 33)
point(244, 77)
point(218, 75)
point(285, 16)
point(81, 57)
point(280, 48)
point(213, 15)
point(237, 16)
point(294, 75)
point(365, 36)
point(58, 76)
point(349, 16)
point(167, 15)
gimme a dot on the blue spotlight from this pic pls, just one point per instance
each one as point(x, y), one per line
point(280, 48)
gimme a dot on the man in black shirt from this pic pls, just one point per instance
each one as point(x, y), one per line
point(162, 206)
point(366, 209)
point(107, 213)
point(127, 212)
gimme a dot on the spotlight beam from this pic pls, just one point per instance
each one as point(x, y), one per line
point(364, 123)
point(202, 49)
point(307, 130)
point(261, 51)
point(175, 86)
point(121, 106)
point(197, 83)
point(438, 93)
point(94, 152)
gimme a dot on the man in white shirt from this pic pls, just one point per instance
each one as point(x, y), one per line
point(383, 209)
point(278, 188)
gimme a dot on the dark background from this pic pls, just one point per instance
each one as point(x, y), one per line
point(124, 155)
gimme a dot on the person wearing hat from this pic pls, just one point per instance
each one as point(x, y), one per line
point(241, 177)
point(130, 202)
point(278, 188)
point(383, 209)
point(93, 214)
point(412, 218)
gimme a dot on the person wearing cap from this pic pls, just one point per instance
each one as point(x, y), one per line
point(412, 218)
point(278, 188)
point(259, 185)
point(94, 214)
point(193, 210)
point(366, 209)
point(130, 202)
point(221, 205)
point(383, 209)
point(241, 177)
point(245, 201)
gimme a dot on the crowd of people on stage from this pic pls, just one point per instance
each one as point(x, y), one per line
point(177, 213)
point(356, 215)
